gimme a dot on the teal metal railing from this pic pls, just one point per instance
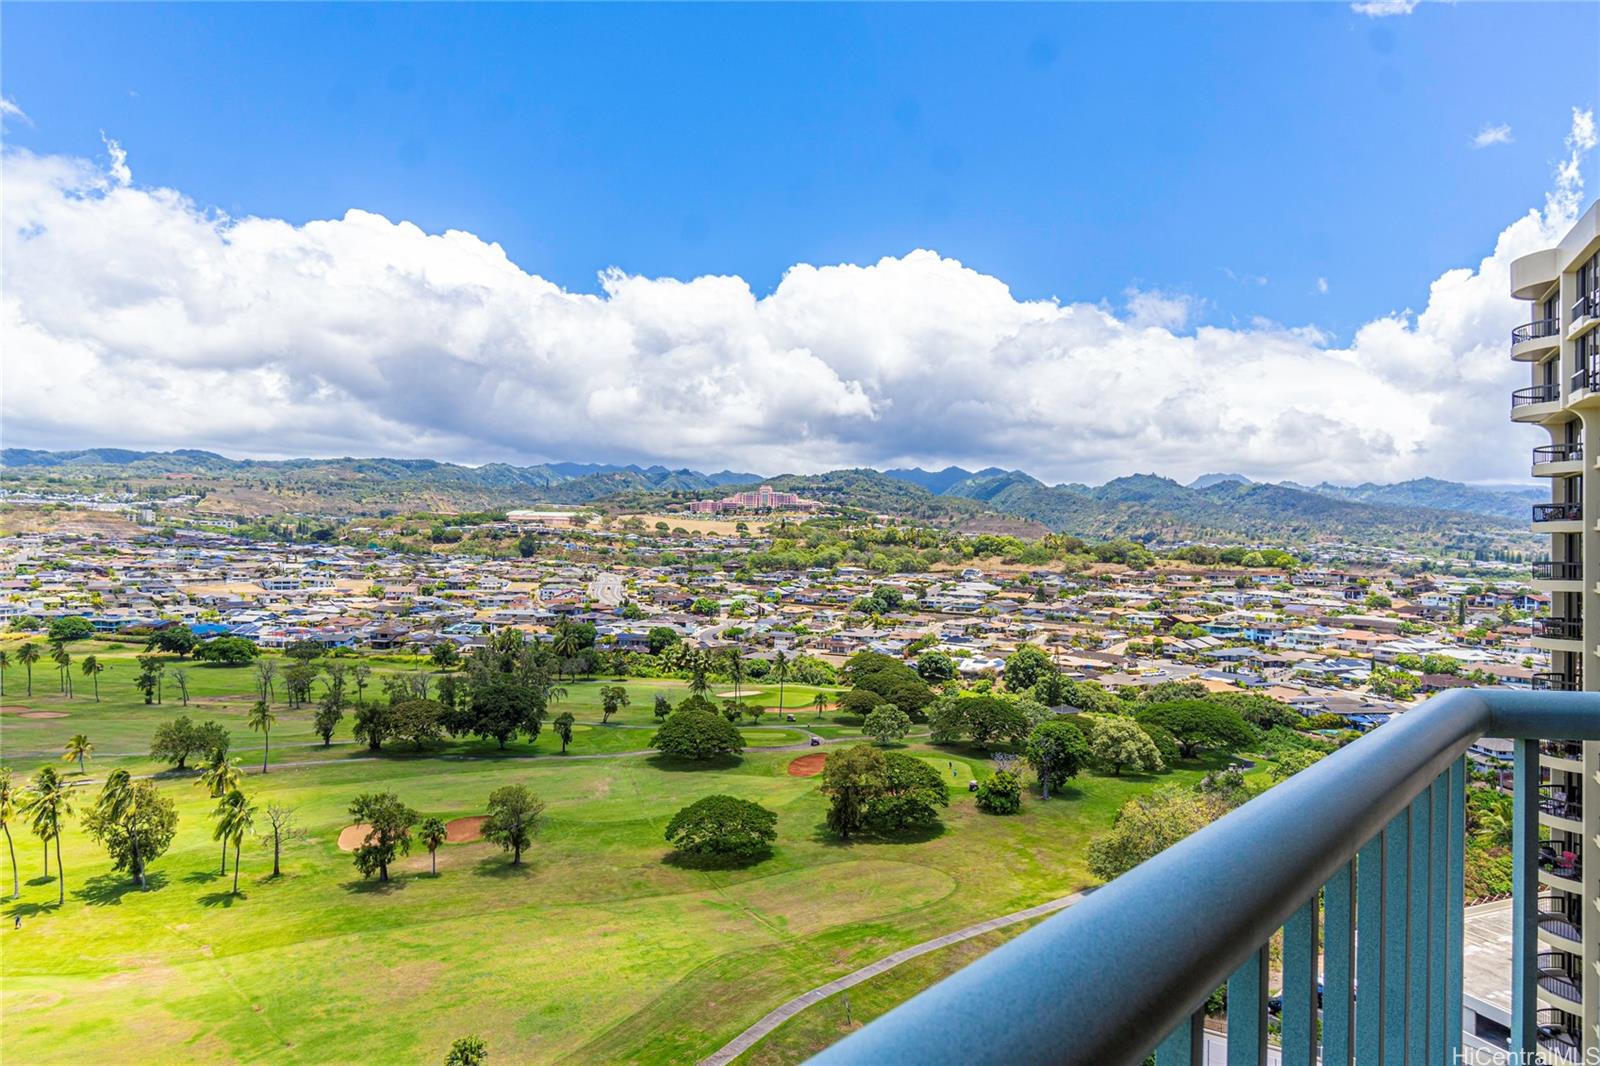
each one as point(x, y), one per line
point(1376, 832)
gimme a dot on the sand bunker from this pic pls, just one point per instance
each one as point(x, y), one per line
point(41, 714)
point(464, 830)
point(457, 831)
point(807, 765)
point(352, 836)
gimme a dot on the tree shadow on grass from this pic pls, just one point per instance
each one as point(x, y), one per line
point(685, 861)
point(917, 834)
point(670, 764)
point(200, 877)
point(499, 866)
point(107, 890)
point(42, 879)
point(225, 898)
point(370, 886)
point(28, 910)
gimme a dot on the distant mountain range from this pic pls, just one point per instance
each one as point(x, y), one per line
point(1214, 506)
point(372, 480)
point(1433, 493)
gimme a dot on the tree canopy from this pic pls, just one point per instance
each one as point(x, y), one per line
point(1199, 725)
point(514, 817)
point(1057, 750)
point(1119, 743)
point(178, 740)
point(886, 724)
point(1026, 667)
point(697, 734)
point(723, 827)
point(231, 651)
point(388, 835)
point(1148, 825)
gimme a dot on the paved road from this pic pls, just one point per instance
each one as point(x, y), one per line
point(606, 589)
point(742, 1043)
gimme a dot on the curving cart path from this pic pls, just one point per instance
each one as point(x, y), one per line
point(742, 1043)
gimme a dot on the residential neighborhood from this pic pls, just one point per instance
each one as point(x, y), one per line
point(1346, 631)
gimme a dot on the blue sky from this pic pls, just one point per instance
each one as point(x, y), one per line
point(1295, 177)
point(1069, 150)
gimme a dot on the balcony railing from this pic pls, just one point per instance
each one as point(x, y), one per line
point(1548, 393)
point(1561, 807)
point(1558, 628)
point(1553, 570)
point(1561, 916)
point(1558, 512)
point(1539, 327)
point(1557, 453)
point(1552, 681)
point(1560, 860)
point(1377, 829)
point(1556, 976)
point(1558, 1035)
point(1585, 306)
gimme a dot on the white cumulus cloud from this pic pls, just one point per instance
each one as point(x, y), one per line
point(1379, 9)
point(132, 316)
point(1489, 135)
point(9, 109)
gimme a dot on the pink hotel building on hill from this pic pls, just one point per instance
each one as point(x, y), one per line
point(762, 499)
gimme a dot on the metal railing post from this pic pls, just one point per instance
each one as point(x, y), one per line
point(1247, 1011)
point(1455, 887)
point(1524, 895)
point(1420, 832)
point(1338, 966)
point(1439, 905)
point(1300, 986)
point(1395, 938)
point(1185, 1045)
point(1370, 885)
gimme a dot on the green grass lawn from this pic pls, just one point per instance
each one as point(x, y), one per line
point(599, 949)
point(826, 1022)
point(120, 723)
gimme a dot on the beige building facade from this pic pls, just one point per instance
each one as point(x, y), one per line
point(1558, 344)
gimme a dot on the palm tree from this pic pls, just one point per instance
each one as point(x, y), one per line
point(119, 805)
point(8, 814)
point(819, 701)
point(699, 668)
point(27, 655)
point(219, 777)
point(92, 669)
point(260, 721)
point(48, 805)
point(63, 660)
point(433, 833)
point(78, 749)
point(565, 643)
point(234, 815)
point(735, 671)
point(780, 670)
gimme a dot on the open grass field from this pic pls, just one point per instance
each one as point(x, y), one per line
point(599, 949)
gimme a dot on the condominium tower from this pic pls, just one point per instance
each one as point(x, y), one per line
point(1561, 347)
